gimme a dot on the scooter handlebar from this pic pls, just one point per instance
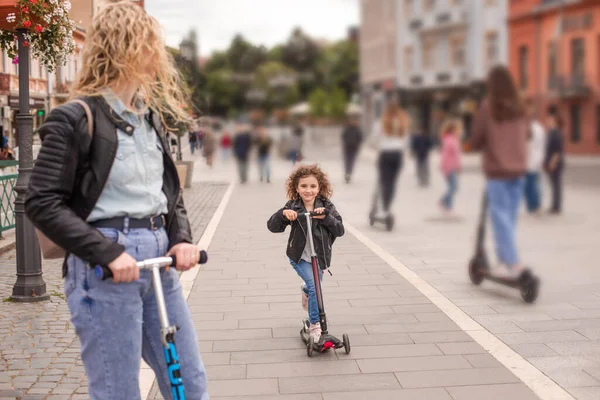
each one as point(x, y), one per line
point(312, 214)
point(103, 272)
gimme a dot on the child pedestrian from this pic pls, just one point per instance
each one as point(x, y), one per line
point(309, 189)
point(451, 162)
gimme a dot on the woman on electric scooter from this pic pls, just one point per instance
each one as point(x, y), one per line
point(112, 196)
point(309, 189)
point(501, 131)
point(391, 134)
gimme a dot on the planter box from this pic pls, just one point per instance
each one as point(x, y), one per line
point(185, 170)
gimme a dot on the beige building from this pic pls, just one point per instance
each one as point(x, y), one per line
point(378, 36)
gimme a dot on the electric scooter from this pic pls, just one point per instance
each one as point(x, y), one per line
point(479, 267)
point(166, 329)
point(377, 205)
point(326, 340)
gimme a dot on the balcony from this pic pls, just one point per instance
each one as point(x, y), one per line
point(444, 18)
point(573, 86)
point(4, 83)
point(438, 78)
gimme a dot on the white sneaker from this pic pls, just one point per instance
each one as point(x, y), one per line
point(315, 331)
point(502, 271)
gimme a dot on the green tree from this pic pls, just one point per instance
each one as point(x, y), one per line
point(318, 102)
point(337, 103)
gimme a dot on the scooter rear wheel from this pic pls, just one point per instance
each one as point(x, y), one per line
point(346, 342)
point(389, 223)
point(474, 273)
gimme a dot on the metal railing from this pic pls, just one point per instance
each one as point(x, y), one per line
point(7, 197)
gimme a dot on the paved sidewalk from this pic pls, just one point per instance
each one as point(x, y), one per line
point(247, 311)
point(39, 352)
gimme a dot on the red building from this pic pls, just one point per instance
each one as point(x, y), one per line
point(554, 55)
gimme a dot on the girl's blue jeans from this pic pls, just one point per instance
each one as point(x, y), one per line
point(118, 324)
point(448, 199)
point(304, 270)
point(504, 196)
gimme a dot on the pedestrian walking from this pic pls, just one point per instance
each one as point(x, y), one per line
point(450, 162)
point(537, 150)
point(421, 145)
point(352, 138)
point(554, 161)
point(242, 144)
point(264, 143)
point(111, 197)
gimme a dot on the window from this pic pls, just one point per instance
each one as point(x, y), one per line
point(491, 49)
point(598, 124)
point(429, 5)
point(578, 58)
point(575, 123)
point(429, 46)
point(524, 67)
point(457, 51)
point(408, 60)
point(552, 65)
point(408, 8)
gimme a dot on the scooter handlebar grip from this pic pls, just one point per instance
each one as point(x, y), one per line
point(103, 272)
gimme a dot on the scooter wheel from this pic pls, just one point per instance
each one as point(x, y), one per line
point(310, 346)
point(474, 274)
point(346, 342)
point(530, 291)
point(389, 223)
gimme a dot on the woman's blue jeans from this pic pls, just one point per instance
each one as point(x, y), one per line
point(118, 324)
point(504, 196)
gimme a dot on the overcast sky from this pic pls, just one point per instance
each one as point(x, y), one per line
point(266, 22)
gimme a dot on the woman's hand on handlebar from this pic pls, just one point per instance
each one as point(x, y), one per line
point(186, 255)
point(291, 215)
point(124, 269)
point(321, 211)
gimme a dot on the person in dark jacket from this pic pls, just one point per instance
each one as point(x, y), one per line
point(112, 197)
point(264, 144)
point(421, 145)
point(554, 161)
point(309, 189)
point(242, 144)
point(352, 138)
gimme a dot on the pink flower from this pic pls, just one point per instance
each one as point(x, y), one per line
point(39, 28)
point(15, 60)
point(27, 24)
point(25, 43)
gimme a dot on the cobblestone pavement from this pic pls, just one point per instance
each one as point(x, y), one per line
point(39, 352)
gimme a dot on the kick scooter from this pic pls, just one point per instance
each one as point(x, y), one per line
point(326, 341)
point(479, 267)
point(167, 330)
point(388, 220)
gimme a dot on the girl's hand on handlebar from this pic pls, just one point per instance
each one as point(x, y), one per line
point(124, 269)
point(291, 215)
point(186, 254)
point(319, 210)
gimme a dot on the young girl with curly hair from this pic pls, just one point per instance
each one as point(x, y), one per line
point(309, 189)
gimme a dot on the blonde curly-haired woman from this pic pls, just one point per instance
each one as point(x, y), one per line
point(112, 196)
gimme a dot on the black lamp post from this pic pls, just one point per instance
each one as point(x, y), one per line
point(30, 285)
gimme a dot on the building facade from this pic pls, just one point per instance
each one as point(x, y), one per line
point(555, 58)
point(378, 36)
point(445, 49)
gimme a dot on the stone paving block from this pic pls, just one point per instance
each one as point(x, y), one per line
point(203, 325)
point(270, 323)
point(222, 372)
point(295, 332)
point(461, 348)
point(277, 356)
point(574, 324)
point(440, 337)
point(223, 358)
point(380, 339)
point(391, 301)
point(533, 350)
point(545, 337)
point(422, 363)
point(413, 327)
point(432, 317)
point(482, 361)
point(298, 369)
point(464, 377)
point(399, 394)
point(416, 308)
point(242, 387)
point(313, 396)
point(586, 393)
point(517, 391)
point(235, 334)
point(349, 383)
point(388, 351)
point(256, 345)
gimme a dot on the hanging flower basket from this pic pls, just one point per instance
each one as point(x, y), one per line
point(49, 29)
